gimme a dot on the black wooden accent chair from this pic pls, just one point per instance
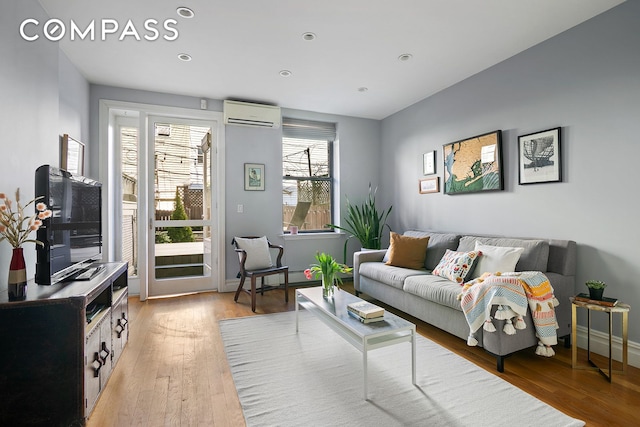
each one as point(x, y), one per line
point(249, 268)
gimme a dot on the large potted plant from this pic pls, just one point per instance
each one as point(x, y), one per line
point(365, 222)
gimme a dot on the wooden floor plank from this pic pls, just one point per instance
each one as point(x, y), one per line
point(174, 370)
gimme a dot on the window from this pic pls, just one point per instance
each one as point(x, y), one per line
point(307, 182)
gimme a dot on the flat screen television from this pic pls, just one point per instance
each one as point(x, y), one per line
point(72, 236)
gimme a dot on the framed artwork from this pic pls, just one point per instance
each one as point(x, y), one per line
point(71, 155)
point(429, 185)
point(253, 177)
point(539, 157)
point(429, 163)
point(474, 164)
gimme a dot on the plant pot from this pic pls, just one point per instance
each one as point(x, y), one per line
point(596, 294)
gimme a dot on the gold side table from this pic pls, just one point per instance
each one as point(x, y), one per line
point(618, 308)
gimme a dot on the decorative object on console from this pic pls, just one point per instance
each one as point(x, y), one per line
point(429, 163)
point(596, 288)
point(539, 157)
point(253, 177)
point(474, 164)
point(15, 227)
point(429, 185)
point(328, 270)
point(365, 223)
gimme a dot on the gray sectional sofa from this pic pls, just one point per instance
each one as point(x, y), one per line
point(433, 299)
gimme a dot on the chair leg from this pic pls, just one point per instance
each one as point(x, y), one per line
point(262, 286)
point(286, 286)
point(239, 289)
point(253, 293)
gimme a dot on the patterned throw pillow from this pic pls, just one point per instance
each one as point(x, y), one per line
point(456, 265)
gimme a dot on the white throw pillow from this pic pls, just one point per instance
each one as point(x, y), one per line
point(258, 256)
point(496, 258)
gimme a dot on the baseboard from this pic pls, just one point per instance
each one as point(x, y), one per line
point(600, 345)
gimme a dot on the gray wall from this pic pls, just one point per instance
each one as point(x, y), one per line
point(42, 97)
point(586, 80)
point(359, 144)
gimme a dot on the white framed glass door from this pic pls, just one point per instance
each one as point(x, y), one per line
point(180, 196)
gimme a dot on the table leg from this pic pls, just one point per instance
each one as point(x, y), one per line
point(625, 340)
point(610, 344)
point(297, 310)
point(574, 337)
point(413, 357)
point(364, 367)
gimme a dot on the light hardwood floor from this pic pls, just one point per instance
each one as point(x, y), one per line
point(174, 371)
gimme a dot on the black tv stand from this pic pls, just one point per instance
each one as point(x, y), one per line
point(59, 347)
point(88, 273)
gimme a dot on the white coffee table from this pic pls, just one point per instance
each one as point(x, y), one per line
point(392, 330)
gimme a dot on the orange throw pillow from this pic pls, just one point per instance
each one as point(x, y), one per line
point(408, 252)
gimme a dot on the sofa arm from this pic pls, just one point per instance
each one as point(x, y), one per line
point(364, 256)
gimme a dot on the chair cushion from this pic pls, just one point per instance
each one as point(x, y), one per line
point(496, 259)
point(258, 256)
point(408, 252)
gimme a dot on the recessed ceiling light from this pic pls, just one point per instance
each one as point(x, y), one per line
point(405, 57)
point(185, 12)
point(309, 36)
point(184, 57)
point(286, 73)
point(363, 89)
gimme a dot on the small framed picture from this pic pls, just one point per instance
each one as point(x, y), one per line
point(71, 155)
point(539, 157)
point(429, 185)
point(253, 177)
point(429, 163)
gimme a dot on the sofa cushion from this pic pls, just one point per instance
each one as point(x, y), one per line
point(407, 251)
point(438, 245)
point(455, 266)
point(434, 288)
point(534, 257)
point(388, 274)
point(496, 259)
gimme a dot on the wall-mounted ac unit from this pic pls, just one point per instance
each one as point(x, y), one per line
point(249, 114)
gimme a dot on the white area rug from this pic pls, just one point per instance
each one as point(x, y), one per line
point(315, 378)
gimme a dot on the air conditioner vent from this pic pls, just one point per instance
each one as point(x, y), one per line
point(250, 114)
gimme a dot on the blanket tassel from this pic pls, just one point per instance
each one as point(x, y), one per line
point(520, 323)
point(508, 328)
point(545, 350)
point(488, 326)
point(472, 341)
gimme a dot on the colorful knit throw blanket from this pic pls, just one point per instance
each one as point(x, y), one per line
point(512, 293)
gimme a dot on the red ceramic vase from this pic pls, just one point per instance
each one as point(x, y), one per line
point(17, 276)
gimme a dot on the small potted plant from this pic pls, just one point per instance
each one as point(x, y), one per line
point(596, 289)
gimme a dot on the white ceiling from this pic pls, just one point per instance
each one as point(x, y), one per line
point(240, 46)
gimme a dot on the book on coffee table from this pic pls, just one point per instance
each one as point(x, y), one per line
point(365, 320)
point(365, 309)
point(605, 301)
